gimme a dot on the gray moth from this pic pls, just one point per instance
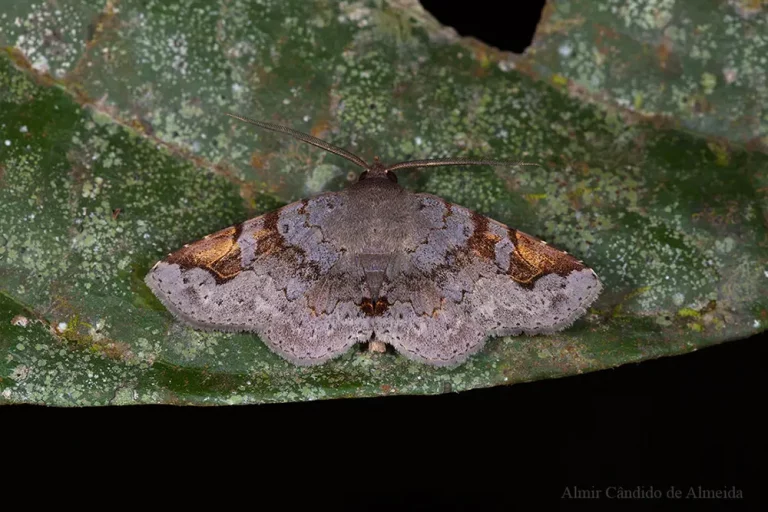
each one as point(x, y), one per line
point(374, 262)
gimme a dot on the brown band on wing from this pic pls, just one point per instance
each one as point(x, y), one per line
point(377, 309)
point(482, 242)
point(533, 259)
point(218, 253)
point(268, 238)
point(270, 242)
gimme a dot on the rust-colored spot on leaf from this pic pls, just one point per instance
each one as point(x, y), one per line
point(320, 128)
point(258, 160)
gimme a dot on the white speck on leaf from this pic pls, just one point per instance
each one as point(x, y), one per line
point(40, 64)
point(20, 321)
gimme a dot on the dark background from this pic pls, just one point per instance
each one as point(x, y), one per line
point(692, 420)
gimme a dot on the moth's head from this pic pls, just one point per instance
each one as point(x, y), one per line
point(377, 171)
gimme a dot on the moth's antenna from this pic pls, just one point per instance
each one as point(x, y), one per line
point(437, 162)
point(304, 138)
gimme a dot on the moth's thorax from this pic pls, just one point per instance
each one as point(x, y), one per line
point(376, 189)
point(377, 217)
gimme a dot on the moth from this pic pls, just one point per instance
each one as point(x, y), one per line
point(374, 262)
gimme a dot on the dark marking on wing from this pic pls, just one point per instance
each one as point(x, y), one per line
point(271, 243)
point(268, 238)
point(545, 257)
point(482, 242)
point(218, 253)
point(533, 259)
point(377, 309)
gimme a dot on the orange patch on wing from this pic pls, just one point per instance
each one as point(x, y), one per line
point(521, 270)
point(482, 242)
point(533, 259)
point(218, 253)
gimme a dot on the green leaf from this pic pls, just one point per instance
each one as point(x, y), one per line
point(698, 65)
point(114, 151)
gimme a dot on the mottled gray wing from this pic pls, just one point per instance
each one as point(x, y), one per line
point(274, 275)
point(471, 278)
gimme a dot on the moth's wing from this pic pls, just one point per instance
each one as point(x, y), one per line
point(472, 278)
point(274, 275)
